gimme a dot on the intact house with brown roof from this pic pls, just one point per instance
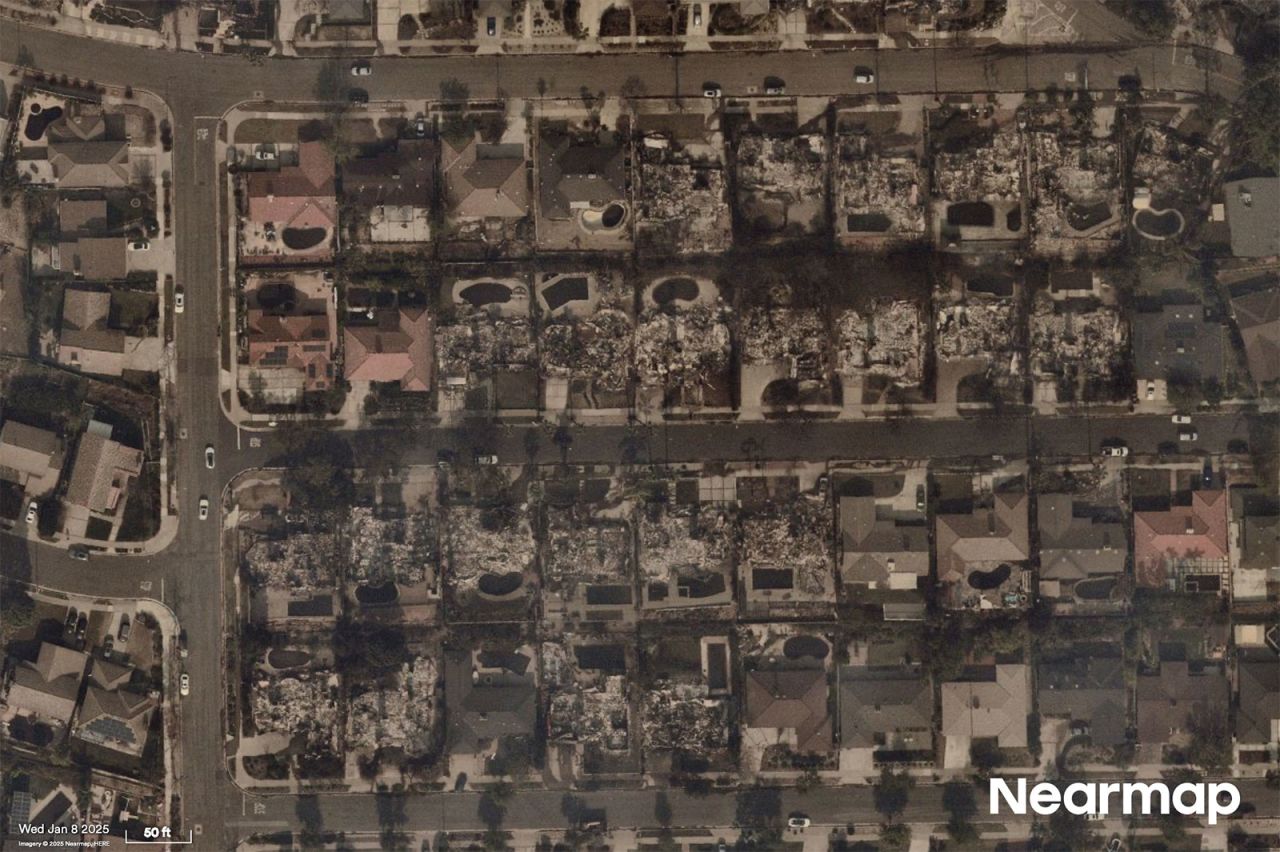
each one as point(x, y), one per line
point(397, 348)
point(483, 180)
point(31, 458)
point(87, 148)
point(1257, 316)
point(391, 192)
point(86, 341)
point(291, 214)
point(884, 555)
point(582, 188)
point(1082, 553)
point(988, 703)
point(1184, 548)
point(1089, 691)
point(81, 215)
point(112, 715)
point(101, 475)
point(886, 711)
point(786, 710)
point(290, 337)
point(1258, 706)
point(94, 258)
point(1170, 698)
point(982, 554)
point(48, 689)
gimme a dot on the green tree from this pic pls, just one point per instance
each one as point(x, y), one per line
point(368, 648)
point(17, 610)
point(961, 804)
point(892, 792)
point(454, 91)
point(895, 835)
point(1067, 831)
point(1210, 747)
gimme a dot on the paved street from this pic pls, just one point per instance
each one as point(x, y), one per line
point(199, 90)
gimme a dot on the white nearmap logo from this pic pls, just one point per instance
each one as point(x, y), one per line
point(1094, 799)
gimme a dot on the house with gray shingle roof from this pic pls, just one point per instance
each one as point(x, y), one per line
point(1089, 691)
point(30, 457)
point(883, 559)
point(886, 708)
point(1258, 702)
point(1251, 215)
point(989, 703)
point(1076, 545)
point(489, 696)
point(483, 180)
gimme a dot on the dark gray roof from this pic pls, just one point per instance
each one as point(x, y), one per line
point(400, 176)
point(893, 702)
point(488, 707)
point(1259, 699)
point(1252, 204)
point(573, 171)
point(1260, 542)
point(1177, 337)
point(1087, 689)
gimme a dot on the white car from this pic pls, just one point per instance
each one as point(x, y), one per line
point(139, 245)
point(697, 14)
point(1151, 390)
point(208, 456)
point(864, 75)
point(1188, 435)
point(1118, 452)
point(361, 69)
point(1182, 419)
point(179, 302)
point(184, 684)
point(799, 822)
point(711, 91)
point(265, 153)
point(204, 508)
point(32, 510)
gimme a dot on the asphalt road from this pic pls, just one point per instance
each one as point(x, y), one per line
point(199, 90)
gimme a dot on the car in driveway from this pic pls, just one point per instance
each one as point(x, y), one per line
point(361, 69)
point(184, 684)
point(864, 75)
point(125, 625)
point(697, 14)
point(70, 624)
point(204, 508)
point(179, 301)
point(491, 26)
point(208, 456)
point(711, 90)
point(33, 510)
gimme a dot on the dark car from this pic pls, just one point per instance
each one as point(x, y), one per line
point(81, 626)
point(124, 629)
point(358, 96)
point(1208, 473)
point(71, 619)
point(491, 26)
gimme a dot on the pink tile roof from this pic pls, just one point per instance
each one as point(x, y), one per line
point(1195, 532)
point(397, 349)
point(300, 196)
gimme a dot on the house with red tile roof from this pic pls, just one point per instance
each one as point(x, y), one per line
point(397, 348)
point(296, 198)
point(1184, 548)
point(297, 343)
